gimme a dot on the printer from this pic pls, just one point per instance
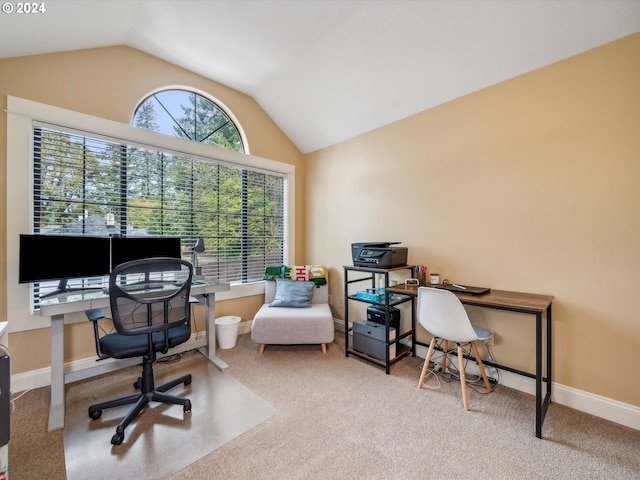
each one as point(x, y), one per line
point(378, 254)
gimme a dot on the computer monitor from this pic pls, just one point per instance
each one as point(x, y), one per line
point(126, 249)
point(62, 257)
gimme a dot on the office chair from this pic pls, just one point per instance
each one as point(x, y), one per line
point(150, 310)
point(442, 314)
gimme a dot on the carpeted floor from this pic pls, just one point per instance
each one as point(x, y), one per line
point(338, 418)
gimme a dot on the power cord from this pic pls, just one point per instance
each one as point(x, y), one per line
point(493, 372)
point(453, 373)
point(430, 371)
point(175, 358)
point(16, 398)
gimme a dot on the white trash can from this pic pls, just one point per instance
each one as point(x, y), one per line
point(227, 331)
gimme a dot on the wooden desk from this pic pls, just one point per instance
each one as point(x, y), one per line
point(527, 303)
point(56, 307)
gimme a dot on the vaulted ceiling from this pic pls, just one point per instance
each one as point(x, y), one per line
point(327, 70)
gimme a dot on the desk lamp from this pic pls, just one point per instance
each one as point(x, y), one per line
point(198, 247)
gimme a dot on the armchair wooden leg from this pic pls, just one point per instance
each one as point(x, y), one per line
point(432, 345)
point(262, 345)
point(463, 378)
point(324, 348)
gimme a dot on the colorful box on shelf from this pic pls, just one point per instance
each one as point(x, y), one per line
point(373, 295)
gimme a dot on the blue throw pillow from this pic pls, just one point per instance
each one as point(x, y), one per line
point(291, 293)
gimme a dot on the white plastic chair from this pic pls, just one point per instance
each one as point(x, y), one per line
point(441, 313)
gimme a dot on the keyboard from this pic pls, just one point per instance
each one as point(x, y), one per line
point(454, 287)
point(136, 287)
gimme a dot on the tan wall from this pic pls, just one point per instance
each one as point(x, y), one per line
point(530, 185)
point(110, 83)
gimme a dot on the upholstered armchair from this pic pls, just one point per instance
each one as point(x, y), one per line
point(296, 309)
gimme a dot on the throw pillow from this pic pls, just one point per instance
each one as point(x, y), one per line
point(300, 273)
point(290, 293)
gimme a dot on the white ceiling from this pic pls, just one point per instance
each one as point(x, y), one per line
point(327, 70)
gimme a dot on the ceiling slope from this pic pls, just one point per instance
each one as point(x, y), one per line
point(327, 70)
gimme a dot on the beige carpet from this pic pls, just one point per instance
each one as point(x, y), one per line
point(163, 439)
point(341, 418)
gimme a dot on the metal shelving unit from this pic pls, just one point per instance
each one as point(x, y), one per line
point(401, 349)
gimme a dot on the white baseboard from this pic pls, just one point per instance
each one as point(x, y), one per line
point(340, 325)
point(245, 327)
point(603, 407)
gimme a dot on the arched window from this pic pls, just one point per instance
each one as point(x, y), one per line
point(188, 115)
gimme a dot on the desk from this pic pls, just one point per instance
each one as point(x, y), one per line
point(56, 307)
point(528, 303)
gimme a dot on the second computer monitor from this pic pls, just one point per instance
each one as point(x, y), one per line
point(126, 249)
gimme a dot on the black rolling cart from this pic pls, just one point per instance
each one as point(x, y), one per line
point(380, 343)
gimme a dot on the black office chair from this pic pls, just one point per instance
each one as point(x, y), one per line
point(150, 309)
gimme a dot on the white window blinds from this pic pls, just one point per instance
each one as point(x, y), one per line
point(87, 184)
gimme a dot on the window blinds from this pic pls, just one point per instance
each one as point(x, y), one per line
point(86, 184)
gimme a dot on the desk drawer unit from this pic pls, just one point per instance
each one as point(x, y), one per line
point(369, 338)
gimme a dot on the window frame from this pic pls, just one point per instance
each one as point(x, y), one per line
point(21, 115)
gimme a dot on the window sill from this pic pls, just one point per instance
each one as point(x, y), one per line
point(240, 291)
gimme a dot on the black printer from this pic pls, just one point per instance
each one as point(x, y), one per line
point(378, 254)
point(376, 314)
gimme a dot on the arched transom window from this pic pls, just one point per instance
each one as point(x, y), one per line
point(188, 115)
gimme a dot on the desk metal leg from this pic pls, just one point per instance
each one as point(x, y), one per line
point(547, 398)
point(56, 406)
point(548, 355)
point(209, 350)
point(413, 327)
point(542, 404)
point(539, 375)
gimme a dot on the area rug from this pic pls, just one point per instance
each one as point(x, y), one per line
point(163, 439)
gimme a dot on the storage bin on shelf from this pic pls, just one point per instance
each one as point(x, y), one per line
point(373, 295)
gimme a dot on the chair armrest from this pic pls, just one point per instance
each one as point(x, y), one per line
point(94, 315)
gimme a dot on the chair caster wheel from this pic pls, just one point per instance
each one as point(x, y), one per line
point(137, 383)
point(117, 438)
point(95, 414)
point(187, 406)
point(188, 382)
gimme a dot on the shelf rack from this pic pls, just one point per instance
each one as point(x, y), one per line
point(402, 350)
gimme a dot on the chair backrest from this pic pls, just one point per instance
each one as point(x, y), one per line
point(442, 314)
point(150, 295)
